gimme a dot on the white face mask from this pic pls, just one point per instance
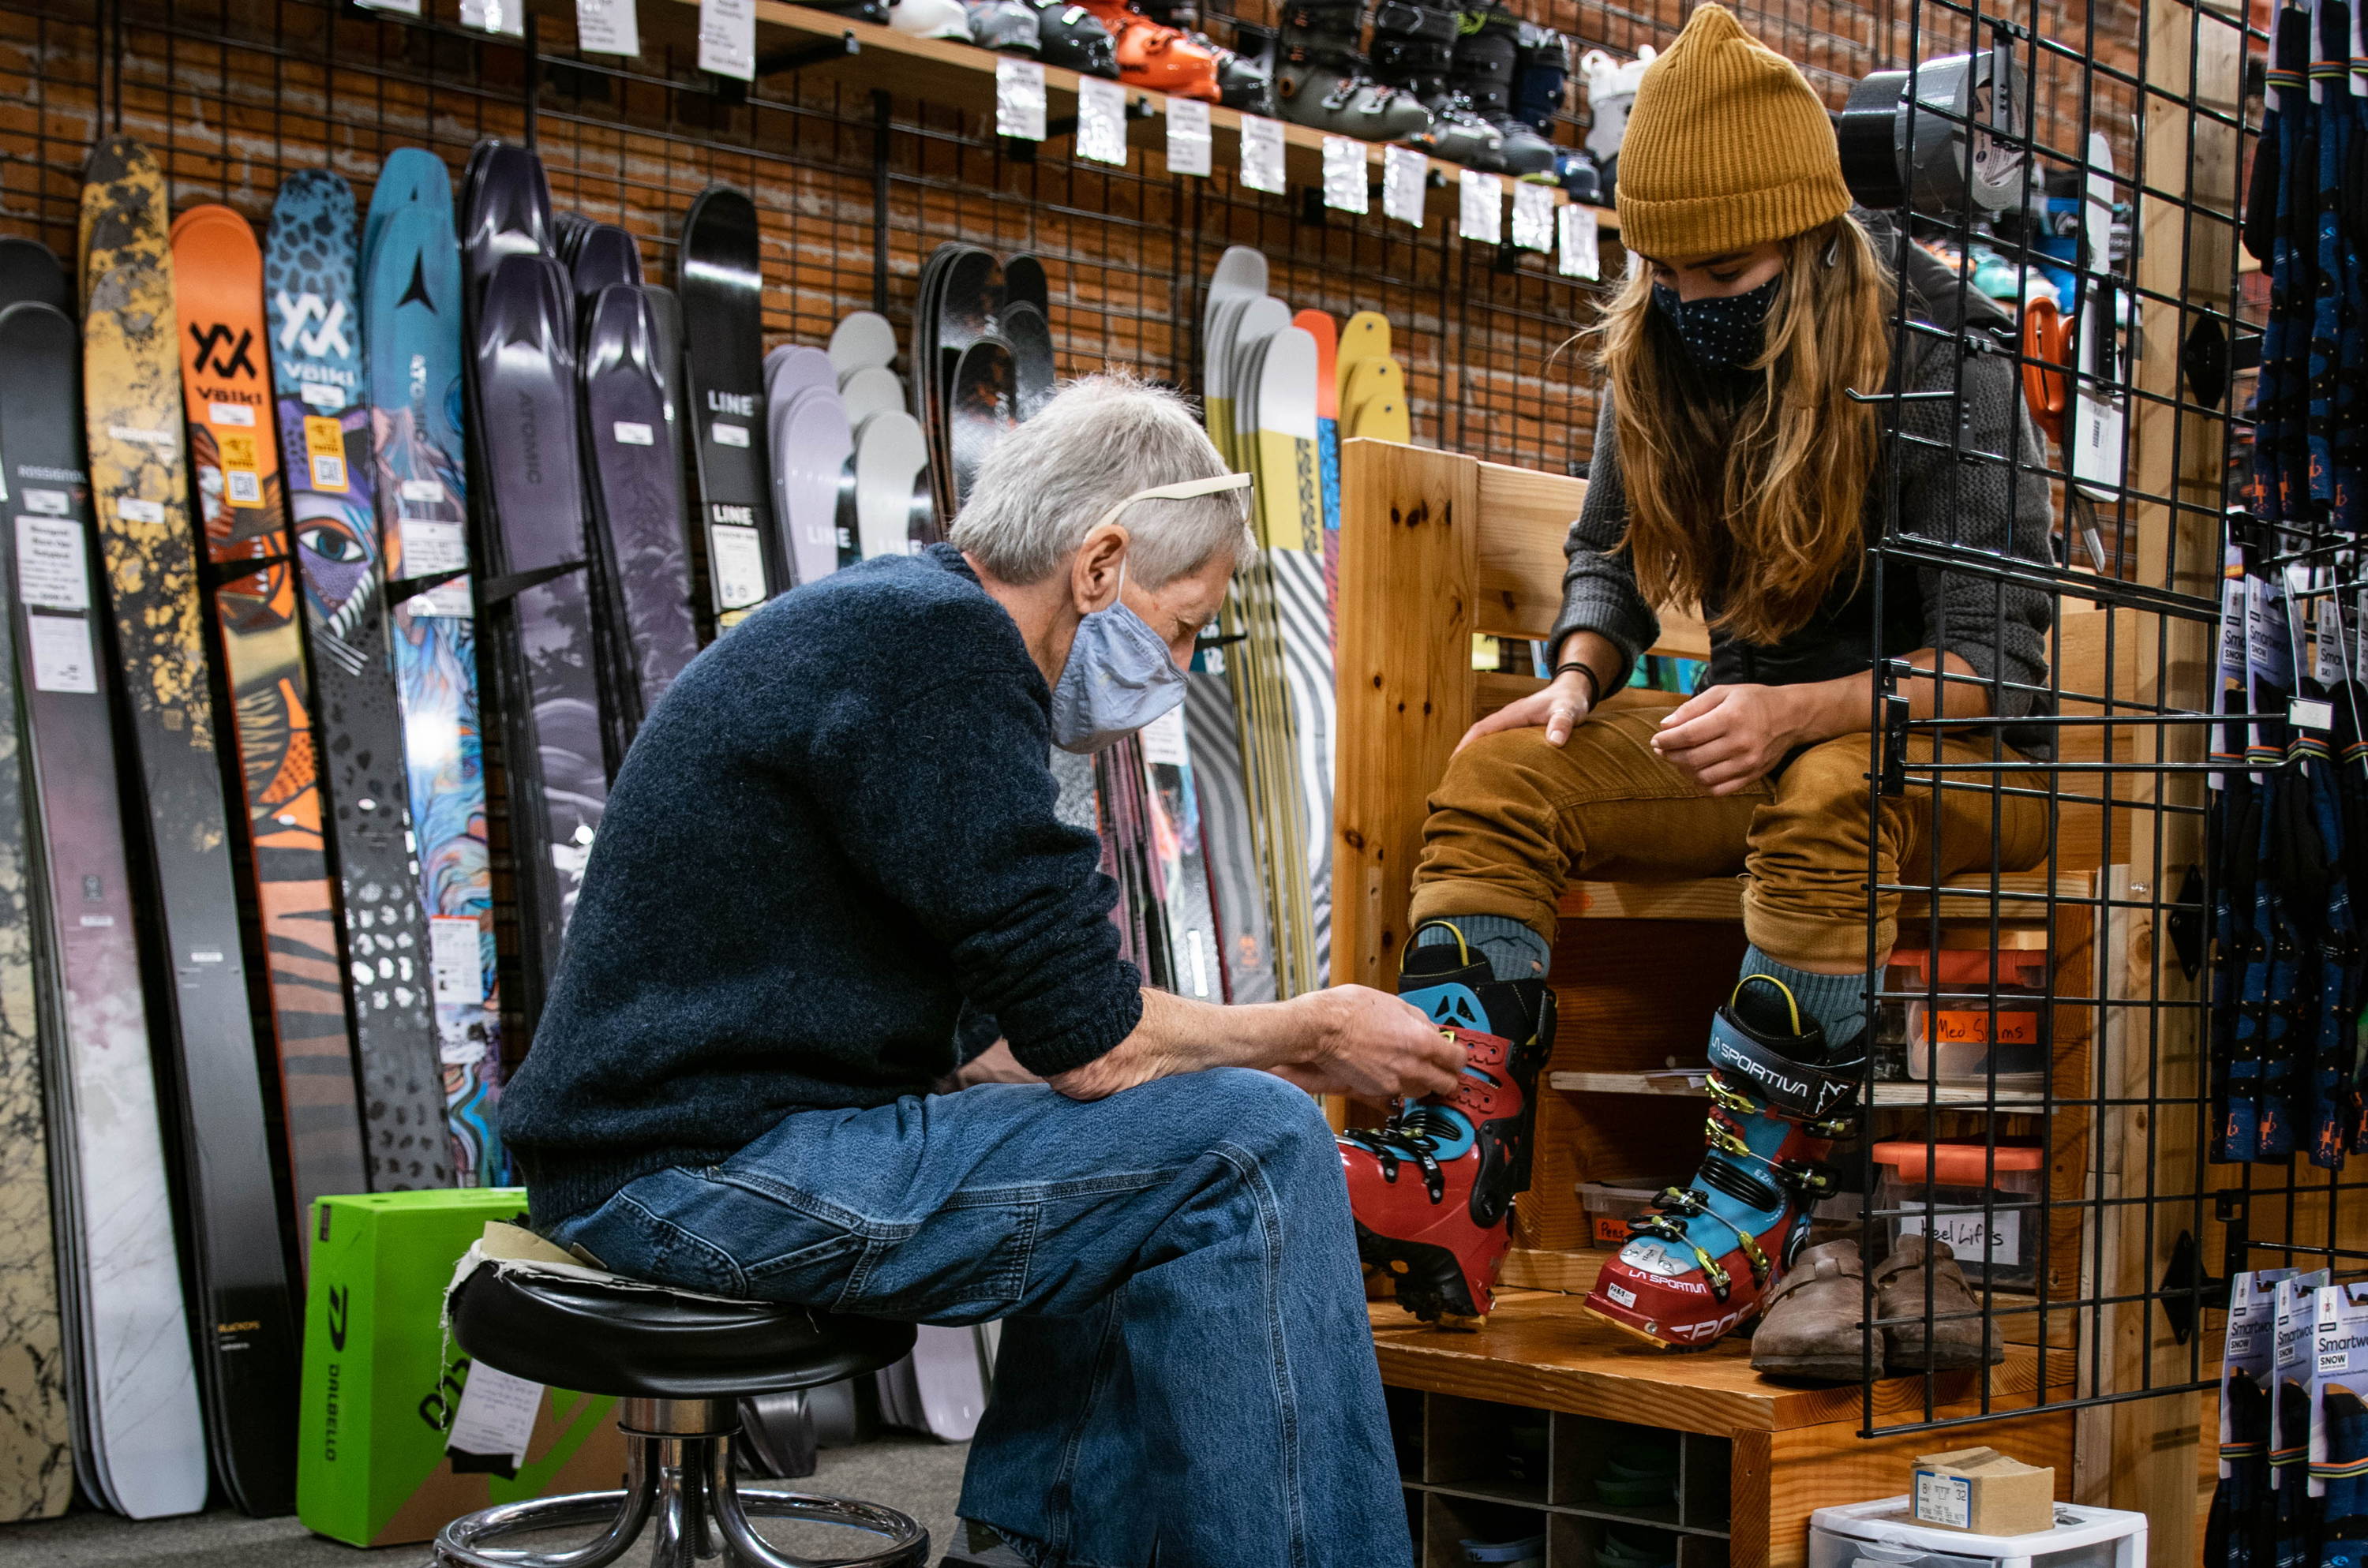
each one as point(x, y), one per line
point(1120, 675)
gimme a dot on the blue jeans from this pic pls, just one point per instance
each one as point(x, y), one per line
point(1187, 1366)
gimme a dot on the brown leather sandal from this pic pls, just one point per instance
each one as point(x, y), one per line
point(1960, 1336)
point(1811, 1323)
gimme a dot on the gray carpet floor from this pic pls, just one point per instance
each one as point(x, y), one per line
point(921, 1477)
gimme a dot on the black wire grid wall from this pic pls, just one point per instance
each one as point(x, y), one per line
point(856, 187)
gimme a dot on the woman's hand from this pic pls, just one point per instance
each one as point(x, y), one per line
point(1728, 737)
point(1559, 707)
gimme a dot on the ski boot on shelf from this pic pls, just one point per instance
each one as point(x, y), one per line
point(931, 18)
point(1158, 58)
point(1414, 51)
point(1320, 77)
point(1433, 1187)
point(1006, 26)
point(1068, 35)
point(1541, 89)
point(1245, 73)
point(1700, 1262)
point(1485, 57)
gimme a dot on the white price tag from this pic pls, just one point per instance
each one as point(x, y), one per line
point(632, 433)
point(1533, 216)
point(422, 492)
point(456, 957)
point(133, 509)
point(430, 547)
point(494, 16)
point(49, 503)
point(1480, 214)
point(323, 394)
point(1939, 1500)
point(1580, 256)
point(61, 648)
point(728, 434)
point(1345, 180)
point(496, 1414)
point(1101, 121)
point(1262, 153)
point(238, 413)
point(1018, 99)
point(727, 38)
point(2310, 713)
point(400, 7)
point(1189, 140)
point(1405, 174)
point(50, 566)
point(736, 558)
point(607, 27)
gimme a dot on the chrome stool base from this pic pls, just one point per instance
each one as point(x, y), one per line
point(679, 1488)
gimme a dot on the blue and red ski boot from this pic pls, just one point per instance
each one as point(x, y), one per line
point(1701, 1260)
point(1432, 1187)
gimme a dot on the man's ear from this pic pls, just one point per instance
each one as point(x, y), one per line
point(1094, 572)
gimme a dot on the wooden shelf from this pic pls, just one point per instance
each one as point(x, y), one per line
point(962, 75)
point(1687, 1083)
point(1721, 898)
point(1541, 1351)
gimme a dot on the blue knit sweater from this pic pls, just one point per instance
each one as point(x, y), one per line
point(832, 836)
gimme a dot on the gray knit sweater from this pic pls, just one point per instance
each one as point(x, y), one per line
point(1986, 499)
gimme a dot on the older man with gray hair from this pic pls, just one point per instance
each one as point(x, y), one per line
point(831, 882)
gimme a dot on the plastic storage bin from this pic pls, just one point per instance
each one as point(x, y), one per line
point(1611, 1204)
point(1883, 1535)
point(1954, 1038)
point(1986, 1204)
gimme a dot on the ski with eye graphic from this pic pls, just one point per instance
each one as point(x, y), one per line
point(311, 300)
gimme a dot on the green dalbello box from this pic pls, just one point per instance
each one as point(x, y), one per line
point(381, 1383)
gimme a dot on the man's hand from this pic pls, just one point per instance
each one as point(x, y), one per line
point(1349, 1039)
point(1559, 707)
point(1728, 737)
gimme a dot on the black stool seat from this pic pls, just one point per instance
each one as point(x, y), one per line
point(612, 1335)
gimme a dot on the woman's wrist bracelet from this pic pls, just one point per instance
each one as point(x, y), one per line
point(1594, 682)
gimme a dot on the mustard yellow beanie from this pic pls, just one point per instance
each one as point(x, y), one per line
point(1727, 147)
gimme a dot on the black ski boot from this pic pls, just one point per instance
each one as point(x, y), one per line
point(1414, 50)
point(1321, 82)
point(1485, 57)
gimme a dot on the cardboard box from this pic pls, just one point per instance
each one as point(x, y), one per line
point(382, 1384)
point(1982, 1492)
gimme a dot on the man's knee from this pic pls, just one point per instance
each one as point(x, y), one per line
point(1255, 1111)
point(1829, 783)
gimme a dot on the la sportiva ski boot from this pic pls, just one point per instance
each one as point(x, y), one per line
point(1701, 1260)
point(1006, 26)
point(1414, 50)
point(1485, 57)
point(1320, 79)
point(1245, 73)
point(1068, 35)
point(1433, 1187)
point(1160, 58)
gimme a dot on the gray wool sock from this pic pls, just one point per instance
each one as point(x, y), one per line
point(1513, 950)
point(1836, 1001)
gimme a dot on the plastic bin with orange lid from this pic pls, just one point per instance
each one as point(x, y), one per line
point(1984, 1202)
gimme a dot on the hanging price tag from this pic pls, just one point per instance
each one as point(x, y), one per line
point(1262, 153)
point(1533, 216)
point(1345, 180)
point(1101, 121)
point(1481, 212)
point(1018, 99)
point(727, 38)
point(399, 7)
point(607, 27)
point(1579, 258)
point(492, 16)
point(1188, 142)
point(1405, 174)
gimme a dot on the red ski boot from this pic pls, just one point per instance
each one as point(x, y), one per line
point(1431, 1188)
point(1699, 1263)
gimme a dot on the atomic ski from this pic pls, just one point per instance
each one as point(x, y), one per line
point(252, 595)
point(325, 427)
point(246, 1351)
point(412, 336)
point(724, 375)
point(139, 1438)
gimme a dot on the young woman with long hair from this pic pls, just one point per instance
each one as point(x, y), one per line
point(1745, 455)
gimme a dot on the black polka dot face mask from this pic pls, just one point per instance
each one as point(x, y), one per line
point(1723, 332)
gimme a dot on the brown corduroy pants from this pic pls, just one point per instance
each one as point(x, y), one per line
point(1515, 818)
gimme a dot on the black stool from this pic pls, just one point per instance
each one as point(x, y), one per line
point(680, 1365)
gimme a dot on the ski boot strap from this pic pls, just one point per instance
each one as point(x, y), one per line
point(1400, 19)
point(1791, 1089)
point(1663, 1228)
